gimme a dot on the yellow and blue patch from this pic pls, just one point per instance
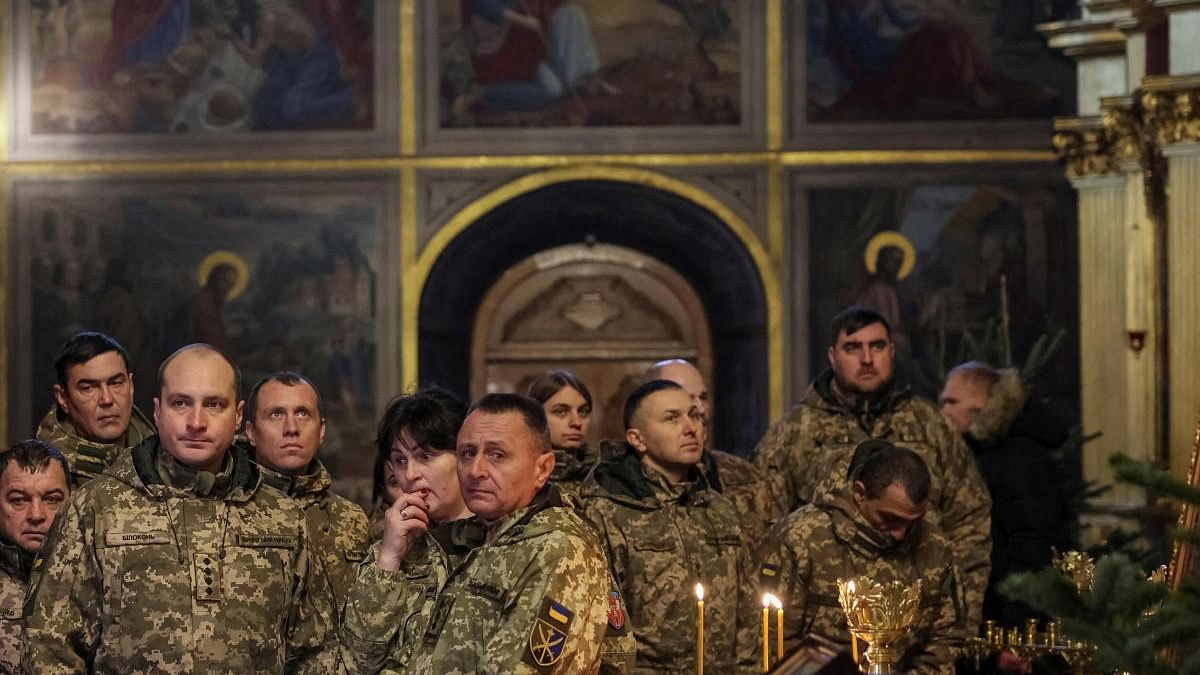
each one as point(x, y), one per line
point(548, 636)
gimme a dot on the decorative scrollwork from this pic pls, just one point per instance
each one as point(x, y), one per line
point(1085, 150)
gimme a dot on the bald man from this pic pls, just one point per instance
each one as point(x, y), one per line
point(735, 477)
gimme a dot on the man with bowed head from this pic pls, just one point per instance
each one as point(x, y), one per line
point(176, 558)
point(521, 587)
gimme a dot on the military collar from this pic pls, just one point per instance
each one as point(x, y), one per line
point(140, 468)
point(573, 464)
point(57, 425)
point(459, 537)
point(183, 479)
point(14, 559)
point(864, 408)
point(626, 479)
point(855, 532)
point(314, 481)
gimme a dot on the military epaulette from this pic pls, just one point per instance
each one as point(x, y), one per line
point(547, 636)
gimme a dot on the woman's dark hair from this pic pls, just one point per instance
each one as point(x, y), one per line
point(545, 386)
point(431, 417)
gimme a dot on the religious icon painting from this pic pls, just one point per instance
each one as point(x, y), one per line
point(963, 267)
point(281, 273)
point(582, 74)
point(139, 79)
point(868, 72)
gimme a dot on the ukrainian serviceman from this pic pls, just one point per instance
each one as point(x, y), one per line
point(176, 559)
point(873, 529)
point(94, 418)
point(806, 454)
point(732, 476)
point(521, 587)
point(33, 485)
point(665, 530)
point(285, 427)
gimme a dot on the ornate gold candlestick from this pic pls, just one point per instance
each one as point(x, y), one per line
point(880, 614)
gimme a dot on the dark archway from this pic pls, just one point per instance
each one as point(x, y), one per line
point(671, 228)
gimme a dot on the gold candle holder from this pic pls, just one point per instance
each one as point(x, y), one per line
point(1078, 566)
point(881, 614)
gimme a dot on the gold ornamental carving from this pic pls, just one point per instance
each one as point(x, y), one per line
point(1171, 106)
point(1085, 147)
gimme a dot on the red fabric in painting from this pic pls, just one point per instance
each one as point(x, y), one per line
point(521, 51)
point(131, 20)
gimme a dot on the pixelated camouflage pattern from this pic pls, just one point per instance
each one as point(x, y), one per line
point(143, 575)
point(750, 494)
point(376, 520)
point(14, 574)
point(618, 651)
point(468, 597)
point(805, 457)
point(661, 539)
point(337, 527)
point(805, 554)
point(571, 467)
point(88, 459)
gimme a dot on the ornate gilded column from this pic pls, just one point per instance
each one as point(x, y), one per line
point(1172, 108)
point(1086, 148)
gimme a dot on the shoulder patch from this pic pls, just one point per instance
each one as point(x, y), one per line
point(547, 636)
point(616, 613)
point(768, 578)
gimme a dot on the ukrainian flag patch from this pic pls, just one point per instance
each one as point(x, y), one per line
point(548, 636)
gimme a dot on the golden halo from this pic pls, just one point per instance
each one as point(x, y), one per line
point(237, 262)
point(891, 238)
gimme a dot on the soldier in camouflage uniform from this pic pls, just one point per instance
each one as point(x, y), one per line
point(733, 476)
point(519, 588)
point(285, 428)
point(807, 453)
point(874, 528)
point(175, 559)
point(665, 529)
point(94, 419)
point(568, 406)
point(33, 485)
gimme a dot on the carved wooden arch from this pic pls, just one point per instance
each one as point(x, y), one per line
point(604, 312)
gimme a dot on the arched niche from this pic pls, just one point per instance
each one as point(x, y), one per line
point(604, 312)
point(662, 225)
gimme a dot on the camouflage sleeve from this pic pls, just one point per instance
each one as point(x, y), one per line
point(937, 655)
point(62, 605)
point(782, 568)
point(782, 457)
point(311, 635)
point(567, 584)
point(372, 617)
point(966, 518)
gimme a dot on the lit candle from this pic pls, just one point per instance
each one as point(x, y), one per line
point(778, 627)
point(700, 629)
point(766, 640)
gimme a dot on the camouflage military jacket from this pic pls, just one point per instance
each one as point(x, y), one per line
point(375, 520)
point(14, 573)
point(806, 456)
point(528, 594)
point(804, 555)
point(337, 527)
point(661, 540)
point(745, 487)
point(88, 459)
point(145, 573)
point(571, 467)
